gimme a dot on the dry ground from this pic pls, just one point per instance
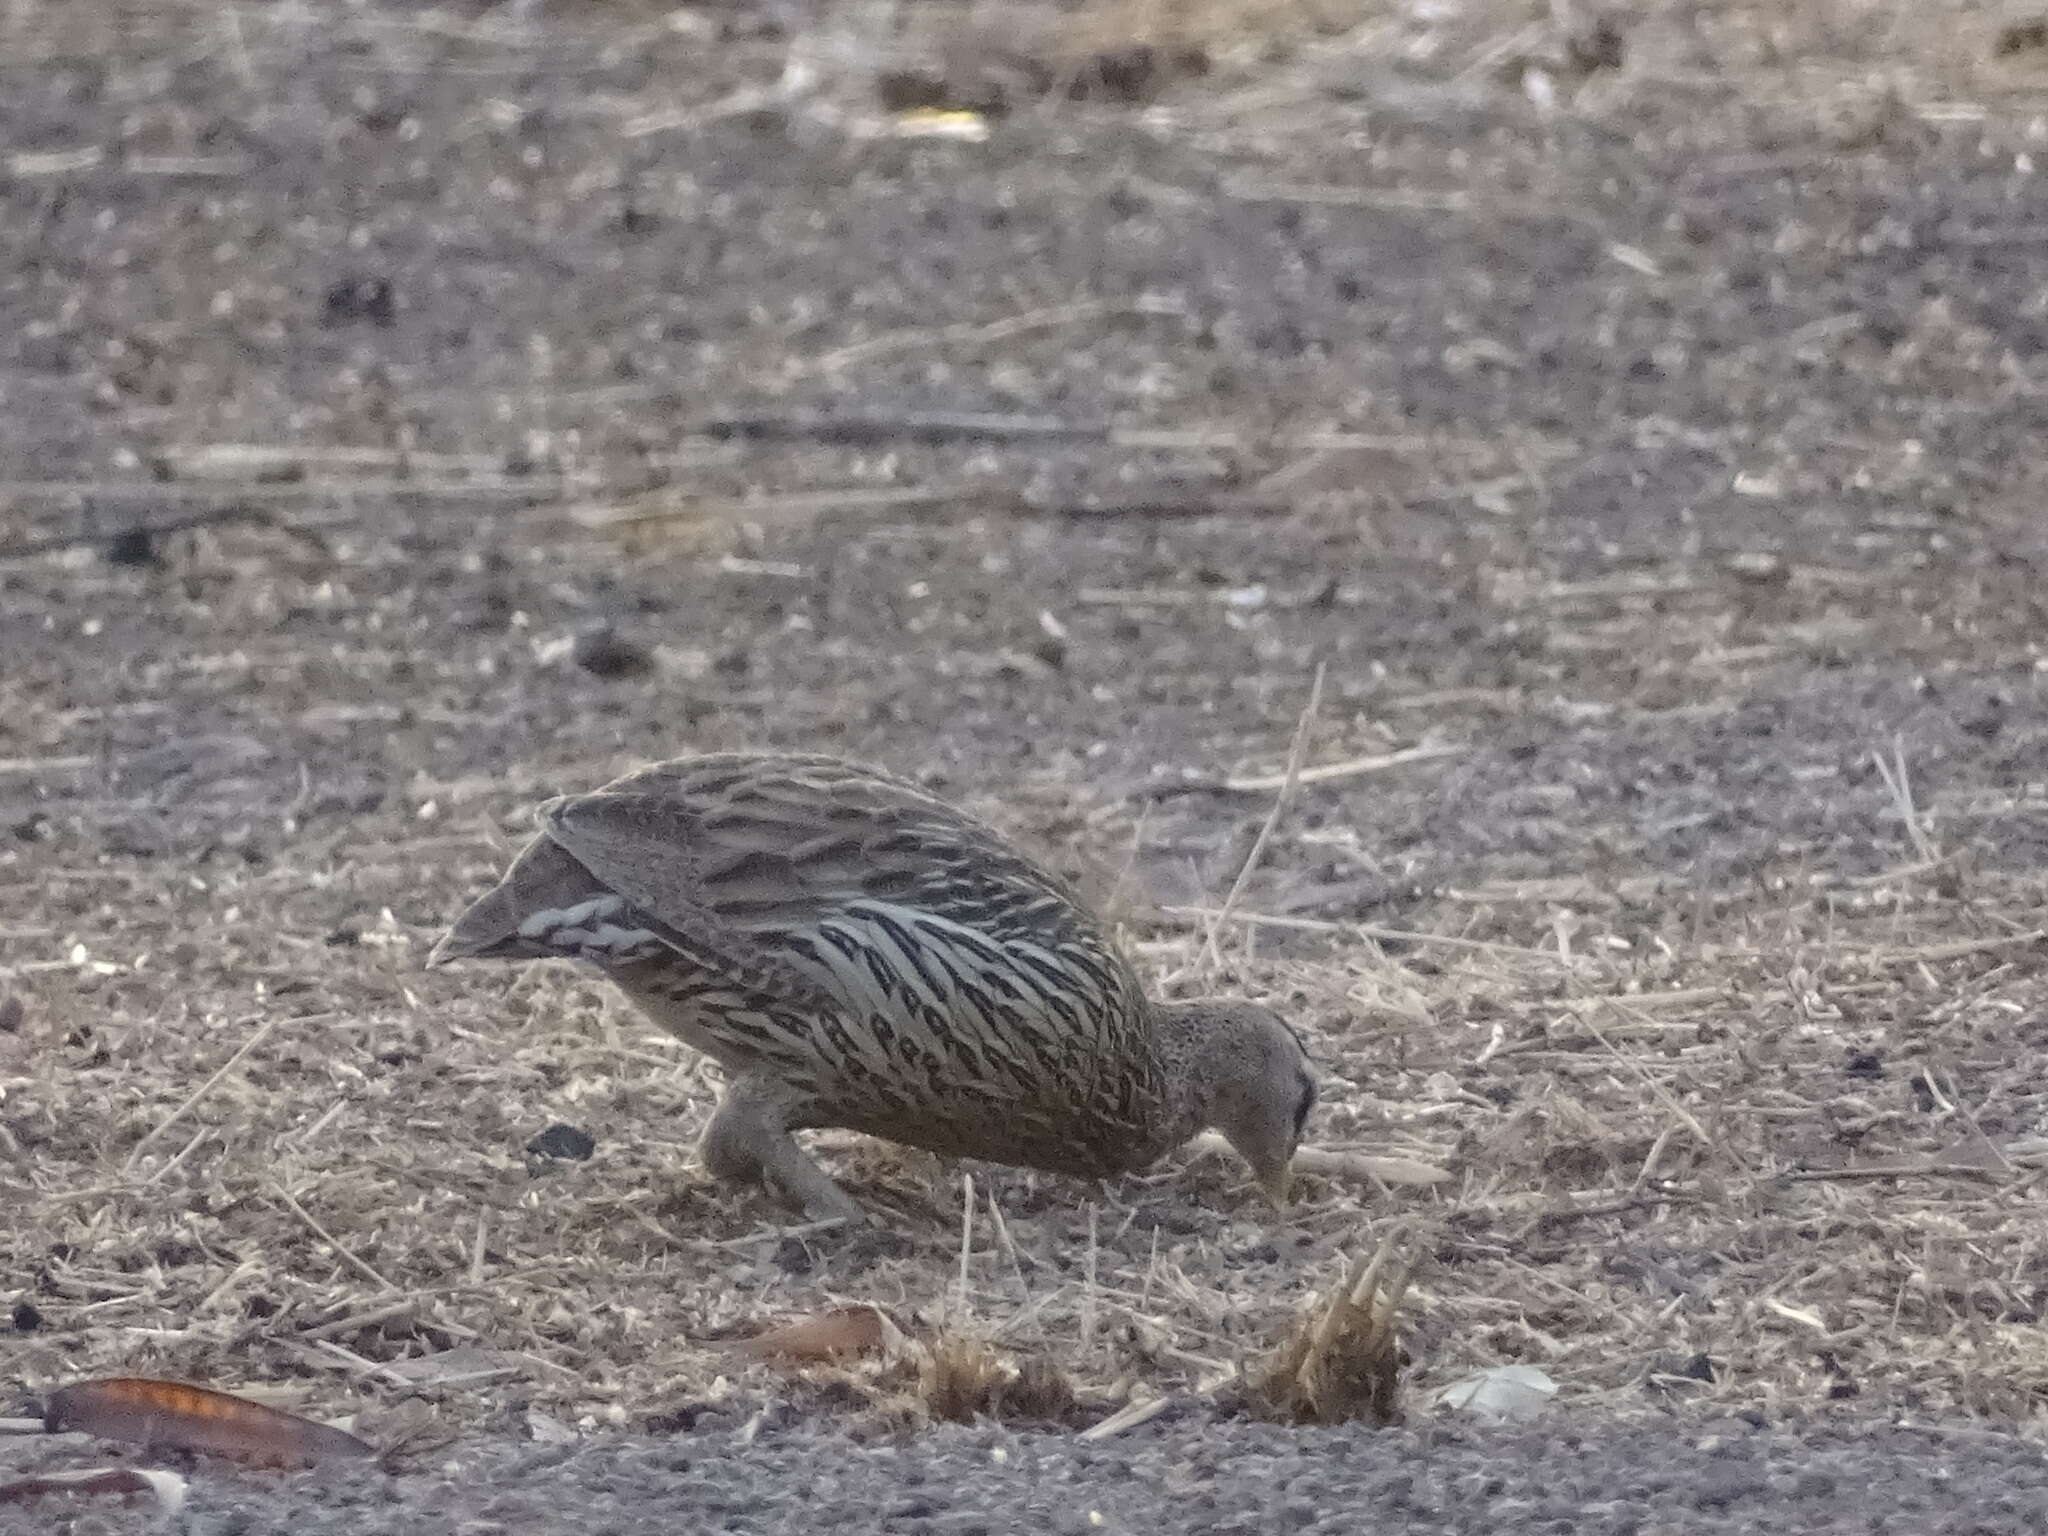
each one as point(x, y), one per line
point(1657, 466)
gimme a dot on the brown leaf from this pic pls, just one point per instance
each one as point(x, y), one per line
point(151, 1412)
point(827, 1336)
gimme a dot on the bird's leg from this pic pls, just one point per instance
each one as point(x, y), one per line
point(748, 1142)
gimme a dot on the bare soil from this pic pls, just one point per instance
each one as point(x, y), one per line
point(1654, 475)
point(1201, 1477)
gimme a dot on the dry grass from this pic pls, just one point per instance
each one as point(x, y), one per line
point(1849, 71)
point(962, 1377)
point(1686, 1166)
point(1342, 1361)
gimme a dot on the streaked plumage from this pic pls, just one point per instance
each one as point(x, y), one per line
point(857, 953)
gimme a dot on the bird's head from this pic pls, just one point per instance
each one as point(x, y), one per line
point(1249, 1078)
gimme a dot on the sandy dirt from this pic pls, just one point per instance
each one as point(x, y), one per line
point(415, 411)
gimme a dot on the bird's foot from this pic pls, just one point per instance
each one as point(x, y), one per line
point(748, 1141)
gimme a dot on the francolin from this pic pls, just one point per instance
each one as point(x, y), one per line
point(856, 953)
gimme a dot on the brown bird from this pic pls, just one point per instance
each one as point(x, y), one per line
point(856, 953)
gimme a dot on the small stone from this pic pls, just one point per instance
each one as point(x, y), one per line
point(564, 1142)
point(601, 653)
point(133, 547)
point(793, 1257)
point(361, 298)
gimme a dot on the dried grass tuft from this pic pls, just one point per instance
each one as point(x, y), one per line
point(962, 1377)
point(1342, 1360)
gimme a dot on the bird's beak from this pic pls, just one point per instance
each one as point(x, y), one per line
point(1279, 1185)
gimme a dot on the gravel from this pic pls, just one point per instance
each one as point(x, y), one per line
point(1191, 1476)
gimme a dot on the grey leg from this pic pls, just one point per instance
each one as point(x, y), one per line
point(748, 1142)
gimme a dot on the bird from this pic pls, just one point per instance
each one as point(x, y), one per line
point(857, 953)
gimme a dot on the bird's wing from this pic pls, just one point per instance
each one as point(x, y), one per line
point(903, 910)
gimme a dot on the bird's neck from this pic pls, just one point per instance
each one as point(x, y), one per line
point(1183, 1104)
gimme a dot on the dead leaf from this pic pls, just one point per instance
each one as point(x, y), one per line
point(146, 1411)
point(1501, 1394)
point(828, 1336)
